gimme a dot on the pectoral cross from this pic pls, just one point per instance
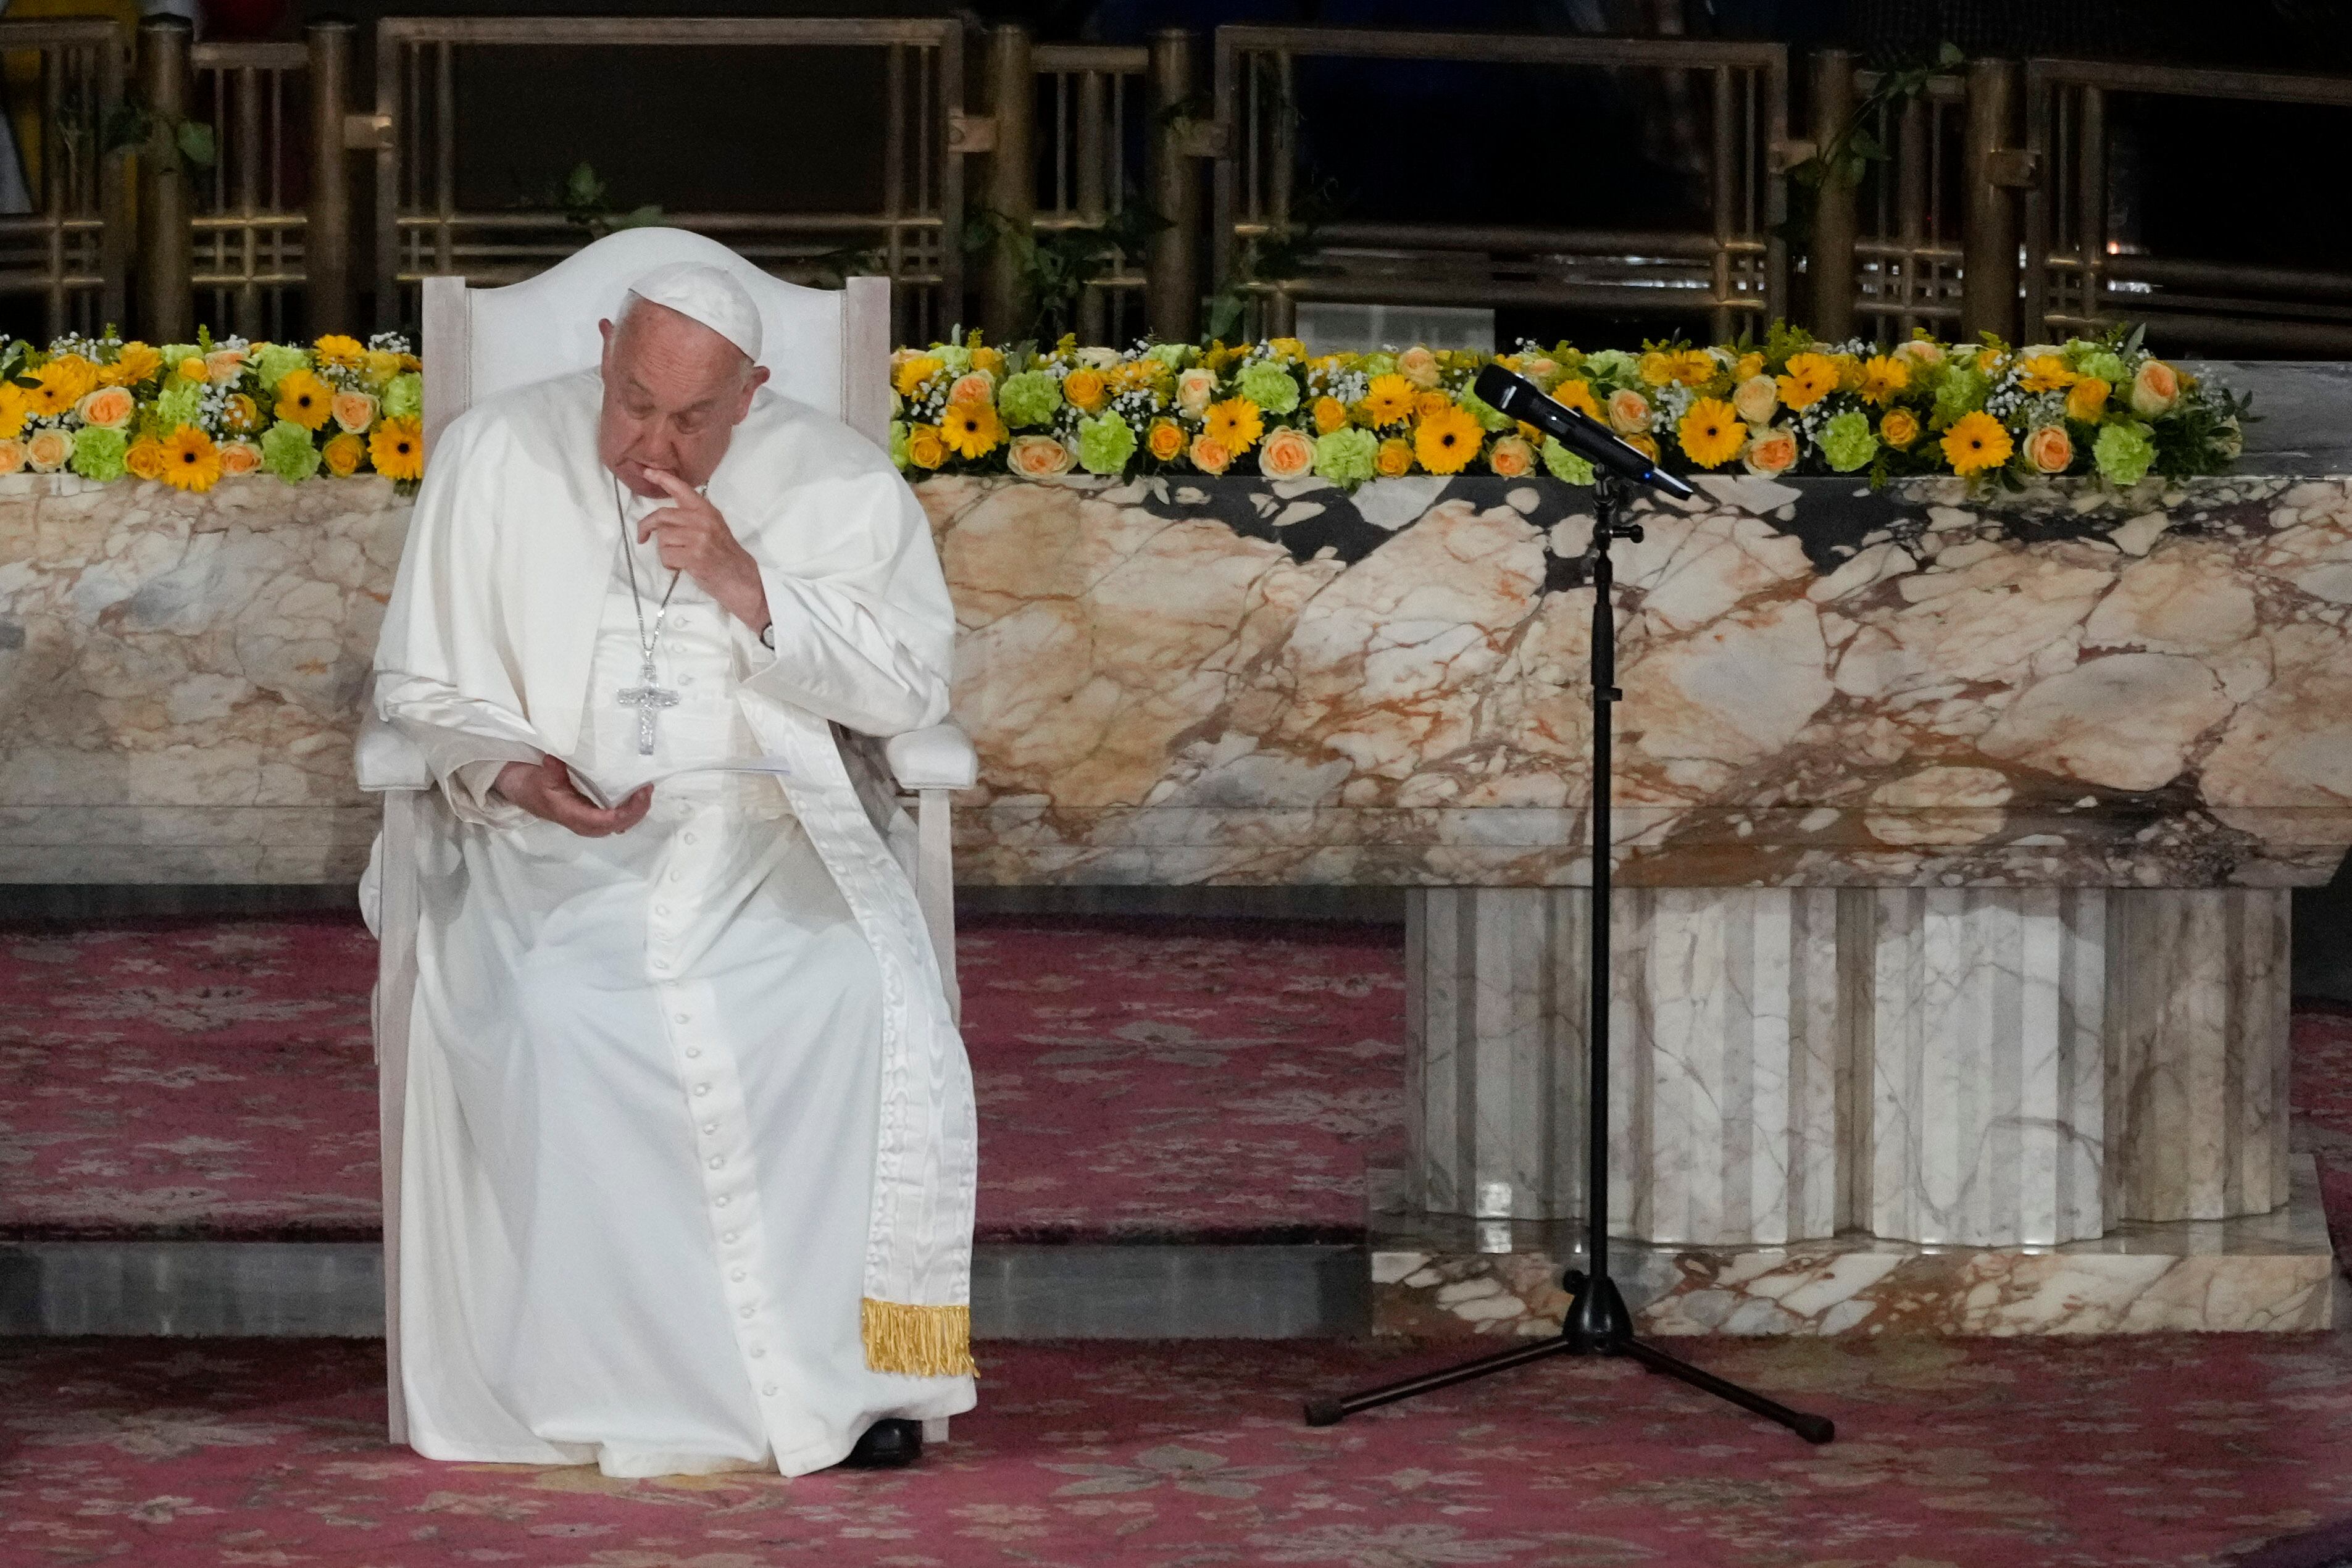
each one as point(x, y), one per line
point(649, 700)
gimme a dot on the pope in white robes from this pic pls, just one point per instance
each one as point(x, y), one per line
point(690, 1149)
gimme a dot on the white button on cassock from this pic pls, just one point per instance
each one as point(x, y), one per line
point(745, 1312)
point(770, 1388)
point(694, 1051)
point(716, 1161)
point(702, 1089)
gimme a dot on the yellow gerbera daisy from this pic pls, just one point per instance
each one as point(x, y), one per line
point(971, 430)
point(16, 407)
point(340, 351)
point(2047, 373)
point(1975, 442)
point(191, 461)
point(1577, 395)
point(1235, 421)
point(912, 373)
point(61, 383)
point(1809, 379)
point(1711, 433)
point(1655, 369)
point(132, 364)
point(1883, 377)
point(397, 448)
point(305, 399)
point(1388, 401)
point(1694, 367)
point(1446, 440)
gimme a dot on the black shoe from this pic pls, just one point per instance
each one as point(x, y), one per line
point(889, 1445)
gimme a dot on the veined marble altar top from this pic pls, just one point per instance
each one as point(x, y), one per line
point(1242, 681)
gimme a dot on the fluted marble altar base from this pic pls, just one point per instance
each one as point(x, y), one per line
point(1435, 1277)
point(1965, 1067)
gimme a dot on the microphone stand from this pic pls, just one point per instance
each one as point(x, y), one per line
point(1596, 1323)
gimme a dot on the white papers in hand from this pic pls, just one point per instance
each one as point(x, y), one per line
point(606, 797)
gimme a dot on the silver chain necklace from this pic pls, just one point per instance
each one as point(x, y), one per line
point(646, 697)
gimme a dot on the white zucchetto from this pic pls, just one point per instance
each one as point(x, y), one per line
point(707, 294)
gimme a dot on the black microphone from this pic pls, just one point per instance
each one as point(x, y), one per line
point(1521, 399)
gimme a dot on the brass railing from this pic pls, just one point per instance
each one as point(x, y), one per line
point(1729, 273)
point(69, 248)
point(2078, 278)
point(913, 235)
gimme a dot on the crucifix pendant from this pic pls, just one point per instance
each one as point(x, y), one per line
point(649, 700)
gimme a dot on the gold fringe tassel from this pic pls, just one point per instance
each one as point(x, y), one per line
point(920, 1341)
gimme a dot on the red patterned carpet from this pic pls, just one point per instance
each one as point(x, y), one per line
point(1952, 1455)
point(1195, 1080)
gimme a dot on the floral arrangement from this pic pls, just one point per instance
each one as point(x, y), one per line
point(2101, 406)
point(193, 414)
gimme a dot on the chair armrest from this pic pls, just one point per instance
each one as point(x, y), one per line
point(385, 759)
point(938, 758)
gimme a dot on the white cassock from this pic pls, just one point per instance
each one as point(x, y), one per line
point(690, 1145)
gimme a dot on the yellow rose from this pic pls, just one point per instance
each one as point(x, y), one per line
point(2050, 449)
point(1287, 454)
point(1899, 428)
point(1086, 389)
point(1394, 459)
point(146, 458)
point(1629, 412)
point(1750, 363)
point(2086, 400)
point(1512, 457)
point(343, 454)
point(1757, 398)
point(1210, 455)
point(1037, 457)
point(192, 368)
point(987, 359)
point(48, 450)
point(1288, 348)
point(1644, 443)
point(1331, 415)
point(379, 366)
point(1430, 404)
point(1770, 452)
point(924, 447)
point(1166, 440)
point(1419, 367)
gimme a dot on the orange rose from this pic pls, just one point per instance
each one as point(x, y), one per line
point(1629, 412)
point(12, 456)
point(1394, 459)
point(146, 458)
point(354, 411)
point(973, 386)
point(1756, 398)
point(1918, 351)
point(1773, 452)
point(1195, 390)
point(48, 450)
point(1037, 457)
point(1165, 440)
point(223, 365)
point(108, 408)
point(238, 458)
point(2050, 449)
point(2154, 389)
point(2086, 400)
point(1419, 367)
point(1512, 457)
point(1287, 454)
point(1210, 455)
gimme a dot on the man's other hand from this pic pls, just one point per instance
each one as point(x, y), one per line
point(694, 539)
point(545, 789)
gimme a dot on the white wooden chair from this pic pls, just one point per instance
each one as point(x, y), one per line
point(827, 349)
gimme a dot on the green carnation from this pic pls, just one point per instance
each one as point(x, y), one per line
point(403, 396)
point(287, 452)
point(1377, 364)
point(1960, 391)
point(1564, 465)
point(1175, 356)
point(1269, 385)
point(1488, 416)
point(174, 353)
point(899, 432)
point(1029, 399)
point(2123, 453)
point(1345, 455)
point(1105, 444)
point(2104, 365)
point(274, 363)
point(1611, 365)
point(97, 454)
point(182, 403)
point(1846, 441)
point(955, 356)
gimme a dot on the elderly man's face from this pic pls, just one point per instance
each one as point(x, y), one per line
point(674, 393)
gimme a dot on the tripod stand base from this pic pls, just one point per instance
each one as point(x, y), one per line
point(1596, 1324)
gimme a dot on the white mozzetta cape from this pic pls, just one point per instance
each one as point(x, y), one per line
point(485, 654)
